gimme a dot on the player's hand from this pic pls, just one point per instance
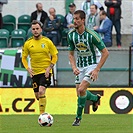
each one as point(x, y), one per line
point(30, 71)
point(76, 71)
point(94, 75)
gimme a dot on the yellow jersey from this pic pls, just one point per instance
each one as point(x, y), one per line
point(40, 52)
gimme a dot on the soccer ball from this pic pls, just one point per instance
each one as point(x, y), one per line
point(45, 119)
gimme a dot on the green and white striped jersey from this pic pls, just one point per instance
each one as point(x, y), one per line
point(88, 44)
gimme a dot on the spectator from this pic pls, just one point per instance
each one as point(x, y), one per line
point(1, 6)
point(87, 3)
point(114, 13)
point(39, 14)
point(105, 29)
point(93, 18)
point(69, 16)
point(68, 24)
point(51, 27)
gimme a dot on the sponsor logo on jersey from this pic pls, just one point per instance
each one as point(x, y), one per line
point(43, 45)
point(81, 46)
point(83, 50)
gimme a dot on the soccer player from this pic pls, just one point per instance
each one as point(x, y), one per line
point(87, 43)
point(43, 56)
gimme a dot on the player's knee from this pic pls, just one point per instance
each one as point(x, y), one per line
point(41, 93)
point(81, 91)
point(41, 90)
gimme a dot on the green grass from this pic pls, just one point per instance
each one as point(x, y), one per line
point(63, 124)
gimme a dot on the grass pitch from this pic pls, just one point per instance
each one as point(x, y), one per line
point(63, 124)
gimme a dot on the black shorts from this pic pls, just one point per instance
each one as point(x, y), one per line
point(40, 79)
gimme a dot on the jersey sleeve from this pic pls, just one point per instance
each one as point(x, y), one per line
point(25, 51)
point(24, 55)
point(97, 41)
point(53, 50)
point(71, 45)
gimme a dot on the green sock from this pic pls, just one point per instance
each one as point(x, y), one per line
point(91, 96)
point(81, 105)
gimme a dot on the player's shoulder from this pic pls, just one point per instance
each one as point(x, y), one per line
point(28, 40)
point(47, 41)
point(45, 38)
point(72, 31)
point(91, 32)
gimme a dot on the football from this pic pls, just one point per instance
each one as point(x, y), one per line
point(45, 119)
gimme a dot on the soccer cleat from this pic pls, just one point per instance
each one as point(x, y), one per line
point(76, 122)
point(95, 104)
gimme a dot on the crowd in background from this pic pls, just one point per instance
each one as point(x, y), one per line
point(97, 19)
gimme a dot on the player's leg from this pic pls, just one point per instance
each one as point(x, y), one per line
point(91, 96)
point(36, 95)
point(36, 83)
point(42, 99)
point(81, 91)
point(81, 98)
point(84, 74)
point(43, 84)
point(78, 80)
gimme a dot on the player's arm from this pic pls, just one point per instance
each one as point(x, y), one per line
point(24, 56)
point(72, 59)
point(97, 41)
point(71, 48)
point(94, 73)
point(100, 45)
point(24, 60)
point(73, 62)
point(54, 54)
point(25, 63)
point(53, 60)
point(104, 57)
point(71, 55)
point(53, 51)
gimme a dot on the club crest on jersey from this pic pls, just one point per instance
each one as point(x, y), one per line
point(43, 45)
point(81, 46)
